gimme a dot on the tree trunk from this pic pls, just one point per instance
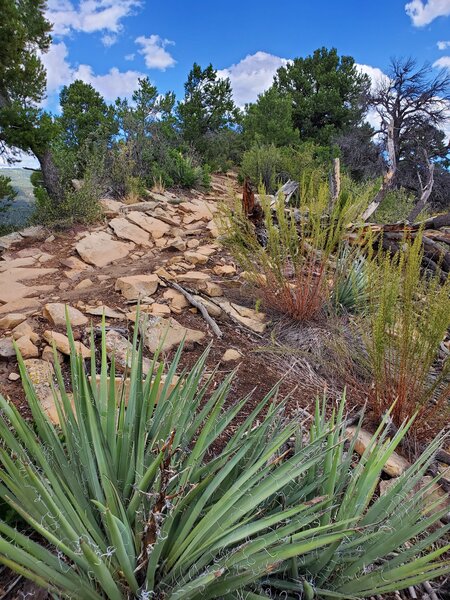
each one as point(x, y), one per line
point(388, 179)
point(425, 193)
point(335, 181)
point(50, 176)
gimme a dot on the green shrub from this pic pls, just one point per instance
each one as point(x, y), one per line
point(295, 268)
point(129, 499)
point(78, 206)
point(395, 207)
point(408, 317)
point(272, 166)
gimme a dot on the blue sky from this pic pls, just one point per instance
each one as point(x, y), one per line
point(110, 43)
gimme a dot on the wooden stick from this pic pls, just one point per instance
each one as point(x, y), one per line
point(201, 307)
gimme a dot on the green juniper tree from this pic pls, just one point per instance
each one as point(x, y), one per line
point(207, 109)
point(24, 35)
point(328, 93)
point(269, 120)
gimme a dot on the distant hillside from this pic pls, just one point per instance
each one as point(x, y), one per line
point(21, 208)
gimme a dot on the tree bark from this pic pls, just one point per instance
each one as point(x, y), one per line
point(388, 178)
point(50, 175)
point(425, 193)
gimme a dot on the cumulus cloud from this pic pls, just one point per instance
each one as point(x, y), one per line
point(443, 62)
point(153, 49)
point(111, 85)
point(252, 75)
point(130, 57)
point(61, 72)
point(424, 12)
point(443, 45)
point(376, 75)
point(89, 16)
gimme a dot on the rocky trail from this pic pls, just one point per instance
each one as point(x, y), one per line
point(134, 256)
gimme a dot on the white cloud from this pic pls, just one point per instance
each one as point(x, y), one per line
point(443, 62)
point(109, 39)
point(89, 16)
point(252, 75)
point(376, 75)
point(130, 57)
point(443, 45)
point(59, 71)
point(111, 85)
point(423, 12)
point(153, 49)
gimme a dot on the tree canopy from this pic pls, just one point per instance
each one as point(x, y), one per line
point(328, 93)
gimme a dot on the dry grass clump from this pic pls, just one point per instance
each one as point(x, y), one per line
point(295, 268)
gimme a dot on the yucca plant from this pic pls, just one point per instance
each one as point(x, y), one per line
point(408, 317)
point(127, 499)
point(396, 540)
point(351, 282)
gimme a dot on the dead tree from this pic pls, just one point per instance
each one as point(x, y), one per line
point(407, 99)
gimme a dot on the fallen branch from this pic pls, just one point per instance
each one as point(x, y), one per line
point(196, 303)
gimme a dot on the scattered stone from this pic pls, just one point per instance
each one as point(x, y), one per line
point(99, 249)
point(111, 208)
point(84, 284)
point(109, 313)
point(37, 232)
point(7, 348)
point(162, 272)
point(26, 347)
point(195, 278)
point(246, 316)
point(45, 257)
point(192, 244)
point(231, 355)
point(56, 314)
point(121, 348)
point(160, 310)
point(177, 301)
point(41, 375)
point(75, 263)
point(155, 227)
point(224, 270)
point(49, 356)
point(160, 243)
point(178, 243)
point(27, 252)
point(24, 329)
point(137, 286)
point(24, 305)
point(62, 344)
point(207, 250)
point(6, 265)
point(12, 320)
point(6, 241)
point(14, 376)
point(128, 231)
point(165, 334)
point(213, 290)
point(213, 229)
point(195, 258)
point(51, 238)
point(395, 465)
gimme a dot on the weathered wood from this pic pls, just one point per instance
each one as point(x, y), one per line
point(197, 304)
